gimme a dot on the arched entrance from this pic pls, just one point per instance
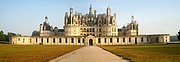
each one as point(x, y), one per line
point(90, 42)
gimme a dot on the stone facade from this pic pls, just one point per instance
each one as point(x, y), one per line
point(90, 29)
point(89, 40)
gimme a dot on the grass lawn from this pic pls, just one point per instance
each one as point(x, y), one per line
point(147, 53)
point(32, 53)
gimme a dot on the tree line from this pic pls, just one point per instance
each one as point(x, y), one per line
point(178, 35)
point(5, 37)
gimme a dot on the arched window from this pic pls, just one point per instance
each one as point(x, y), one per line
point(30, 40)
point(47, 40)
point(72, 40)
point(79, 40)
point(41, 40)
point(117, 40)
point(99, 40)
point(129, 39)
point(59, 40)
point(87, 29)
point(110, 40)
point(36, 40)
point(142, 39)
point(83, 40)
point(123, 39)
point(66, 40)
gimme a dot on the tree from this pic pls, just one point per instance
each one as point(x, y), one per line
point(179, 35)
point(1, 35)
point(4, 37)
point(35, 33)
point(18, 34)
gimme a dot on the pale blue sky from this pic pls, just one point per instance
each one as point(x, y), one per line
point(153, 16)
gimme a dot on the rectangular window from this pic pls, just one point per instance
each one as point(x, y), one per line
point(110, 40)
point(123, 39)
point(147, 39)
point(23, 40)
point(142, 39)
point(79, 40)
point(59, 40)
point(54, 40)
point(117, 40)
point(157, 39)
point(66, 40)
point(72, 40)
point(129, 39)
point(99, 40)
point(41, 40)
point(36, 40)
point(93, 30)
point(104, 40)
point(47, 40)
point(135, 39)
point(83, 40)
point(30, 40)
point(18, 39)
point(114, 29)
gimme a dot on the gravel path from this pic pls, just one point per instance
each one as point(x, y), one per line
point(89, 54)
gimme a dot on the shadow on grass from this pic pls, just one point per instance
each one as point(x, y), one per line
point(4, 42)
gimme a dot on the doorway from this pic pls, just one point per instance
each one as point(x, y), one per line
point(90, 42)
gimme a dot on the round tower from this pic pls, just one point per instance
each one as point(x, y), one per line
point(41, 29)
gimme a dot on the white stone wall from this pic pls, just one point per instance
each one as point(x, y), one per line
point(78, 40)
point(46, 33)
point(72, 31)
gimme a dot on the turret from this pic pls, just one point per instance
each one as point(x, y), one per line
point(132, 18)
point(71, 15)
point(90, 10)
point(108, 11)
point(108, 15)
point(115, 15)
point(46, 19)
point(41, 29)
point(95, 13)
point(66, 19)
point(94, 16)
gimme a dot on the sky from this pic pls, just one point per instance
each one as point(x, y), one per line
point(153, 16)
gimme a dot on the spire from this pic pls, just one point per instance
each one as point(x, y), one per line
point(132, 18)
point(46, 19)
point(90, 6)
point(90, 9)
point(66, 18)
point(71, 9)
point(108, 11)
point(71, 15)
